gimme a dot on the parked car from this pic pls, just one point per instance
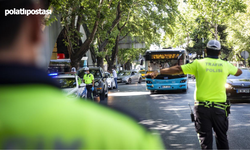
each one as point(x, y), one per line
point(71, 84)
point(110, 80)
point(238, 87)
point(101, 86)
point(143, 72)
point(129, 77)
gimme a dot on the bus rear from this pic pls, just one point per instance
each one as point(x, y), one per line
point(160, 59)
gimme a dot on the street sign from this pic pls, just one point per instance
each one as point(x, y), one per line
point(244, 54)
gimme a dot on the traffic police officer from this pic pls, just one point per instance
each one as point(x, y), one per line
point(210, 110)
point(88, 79)
point(36, 114)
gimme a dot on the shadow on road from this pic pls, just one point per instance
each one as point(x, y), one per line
point(240, 101)
point(170, 92)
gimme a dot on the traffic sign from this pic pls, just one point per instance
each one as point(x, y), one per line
point(244, 54)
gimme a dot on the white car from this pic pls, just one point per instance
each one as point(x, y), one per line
point(72, 85)
point(110, 80)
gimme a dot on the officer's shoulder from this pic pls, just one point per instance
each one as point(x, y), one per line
point(193, 61)
point(225, 61)
point(114, 116)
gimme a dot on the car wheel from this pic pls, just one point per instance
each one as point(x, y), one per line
point(139, 80)
point(102, 96)
point(129, 81)
point(106, 95)
point(184, 90)
point(111, 87)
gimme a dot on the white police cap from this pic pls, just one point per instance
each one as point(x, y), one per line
point(86, 68)
point(214, 44)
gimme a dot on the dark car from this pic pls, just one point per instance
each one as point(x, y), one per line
point(101, 86)
point(238, 87)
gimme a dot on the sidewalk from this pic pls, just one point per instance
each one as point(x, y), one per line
point(191, 81)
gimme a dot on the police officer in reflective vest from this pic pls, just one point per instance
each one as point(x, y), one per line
point(88, 79)
point(211, 109)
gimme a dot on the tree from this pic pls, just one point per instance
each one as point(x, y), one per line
point(126, 56)
point(106, 28)
point(216, 12)
point(239, 33)
point(73, 14)
point(144, 20)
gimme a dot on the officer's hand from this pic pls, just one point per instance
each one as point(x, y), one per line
point(153, 74)
point(92, 88)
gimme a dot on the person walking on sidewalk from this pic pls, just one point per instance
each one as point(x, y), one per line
point(115, 76)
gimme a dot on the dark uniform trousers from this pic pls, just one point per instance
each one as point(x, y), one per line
point(205, 120)
point(89, 91)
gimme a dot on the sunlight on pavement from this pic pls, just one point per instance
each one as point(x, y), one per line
point(181, 146)
point(129, 93)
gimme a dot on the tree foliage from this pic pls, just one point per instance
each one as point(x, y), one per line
point(106, 22)
point(201, 21)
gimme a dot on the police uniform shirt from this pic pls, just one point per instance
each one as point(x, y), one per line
point(211, 75)
point(88, 78)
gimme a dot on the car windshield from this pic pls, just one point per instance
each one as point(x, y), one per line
point(108, 75)
point(66, 82)
point(96, 73)
point(124, 73)
point(245, 75)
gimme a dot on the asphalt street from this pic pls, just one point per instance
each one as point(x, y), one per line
point(169, 114)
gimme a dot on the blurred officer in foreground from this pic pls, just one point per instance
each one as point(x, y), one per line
point(211, 110)
point(35, 114)
point(88, 79)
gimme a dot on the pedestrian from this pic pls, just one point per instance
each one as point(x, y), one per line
point(211, 109)
point(115, 76)
point(89, 80)
point(35, 113)
point(193, 77)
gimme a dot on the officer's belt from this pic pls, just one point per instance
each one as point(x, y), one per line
point(209, 104)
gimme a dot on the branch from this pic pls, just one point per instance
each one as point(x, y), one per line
point(209, 27)
point(117, 19)
point(79, 20)
point(240, 57)
point(89, 40)
point(114, 23)
point(124, 36)
point(208, 21)
point(124, 23)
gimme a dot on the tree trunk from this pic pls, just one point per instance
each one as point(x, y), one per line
point(93, 54)
point(110, 66)
point(128, 65)
point(100, 62)
point(104, 42)
point(77, 55)
point(111, 59)
point(74, 63)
